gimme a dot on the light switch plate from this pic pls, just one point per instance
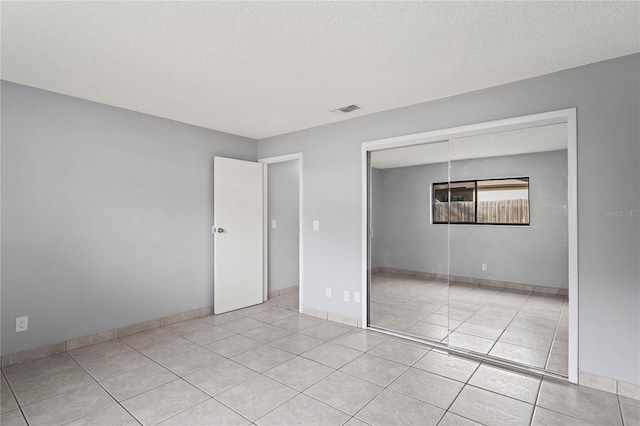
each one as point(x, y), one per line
point(347, 298)
point(274, 224)
point(316, 225)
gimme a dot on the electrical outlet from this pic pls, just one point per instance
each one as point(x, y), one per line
point(328, 292)
point(22, 324)
point(356, 297)
point(316, 225)
point(346, 296)
point(274, 224)
point(484, 266)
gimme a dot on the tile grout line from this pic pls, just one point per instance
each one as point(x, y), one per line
point(144, 355)
point(620, 410)
point(558, 412)
point(19, 407)
point(475, 312)
point(510, 322)
point(267, 377)
point(178, 377)
point(109, 393)
point(333, 372)
point(300, 355)
point(142, 393)
point(251, 378)
point(447, 285)
point(465, 384)
point(78, 364)
point(555, 333)
point(368, 402)
point(535, 402)
point(471, 287)
point(203, 402)
point(391, 390)
point(53, 396)
point(298, 392)
point(429, 313)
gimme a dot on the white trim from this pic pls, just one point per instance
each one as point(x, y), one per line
point(266, 162)
point(364, 294)
point(515, 123)
point(572, 210)
point(542, 119)
point(265, 232)
point(281, 158)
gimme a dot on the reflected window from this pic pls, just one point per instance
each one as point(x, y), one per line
point(454, 202)
point(489, 201)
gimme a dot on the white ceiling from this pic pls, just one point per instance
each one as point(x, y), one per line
point(260, 69)
point(514, 142)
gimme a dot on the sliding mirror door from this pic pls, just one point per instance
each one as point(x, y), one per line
point(409, 261)
point(470, 242)
point(508, 244)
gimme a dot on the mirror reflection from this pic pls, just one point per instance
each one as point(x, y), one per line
point(409, 257)
point(469, 244)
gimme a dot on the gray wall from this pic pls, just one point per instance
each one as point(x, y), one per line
point(407, 239)
point(535, 254)
point(607, 97)
point(283, 205)
point(106, 215)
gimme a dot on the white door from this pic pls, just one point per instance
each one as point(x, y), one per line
point(238, 226)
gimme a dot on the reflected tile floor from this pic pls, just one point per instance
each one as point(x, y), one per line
point(229, 374)
point(521, 326)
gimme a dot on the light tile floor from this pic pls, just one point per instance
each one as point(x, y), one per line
point(525, 327)
point(267, 365)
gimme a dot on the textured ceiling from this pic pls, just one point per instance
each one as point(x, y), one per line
point(523, 141)
point(265, 68)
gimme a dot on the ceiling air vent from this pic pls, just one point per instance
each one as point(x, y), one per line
point(345, 109)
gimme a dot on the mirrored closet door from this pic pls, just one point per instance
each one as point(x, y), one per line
point(469, 244)
point(409, 283)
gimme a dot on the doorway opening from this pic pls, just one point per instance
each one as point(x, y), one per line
point(460, 252)
point(283, 231)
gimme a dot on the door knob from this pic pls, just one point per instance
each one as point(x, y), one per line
point(219, 230)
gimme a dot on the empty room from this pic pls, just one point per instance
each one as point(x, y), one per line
point(320, 213)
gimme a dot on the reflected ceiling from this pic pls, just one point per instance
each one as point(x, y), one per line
point(522, 141)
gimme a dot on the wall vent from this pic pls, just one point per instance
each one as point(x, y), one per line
point(345, 109)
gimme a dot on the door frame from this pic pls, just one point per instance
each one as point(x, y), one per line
point(567, 116)
point(272, 160)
